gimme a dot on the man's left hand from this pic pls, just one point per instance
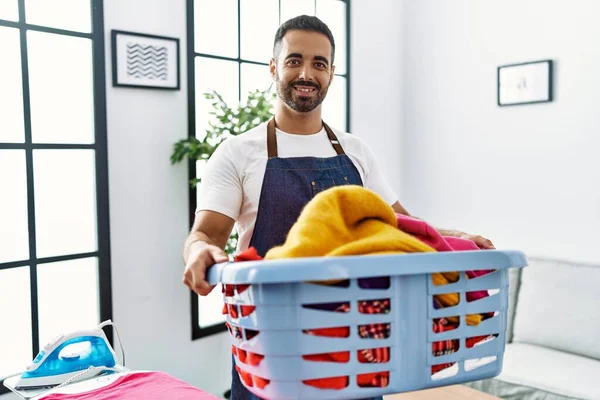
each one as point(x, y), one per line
point(480, 241)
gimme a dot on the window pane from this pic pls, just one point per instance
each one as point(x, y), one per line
point(67, 297)
point(15, 308)
point(333, 13)
point(259, 22)
point(334, 106)
point(73, 15)
point(210, 308)
point(65, 201)
point(255, 77)
point(218, 75)
point(61, 82)
point(293, 8)
point(11, 89)
point(9, 10)
point(216, 27)
point(14, 233)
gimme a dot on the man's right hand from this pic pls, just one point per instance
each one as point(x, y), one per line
point(194, 275)
point(204, 248)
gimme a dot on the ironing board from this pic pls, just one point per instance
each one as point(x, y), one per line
point(84, 386)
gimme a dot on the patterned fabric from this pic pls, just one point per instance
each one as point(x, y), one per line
point(373, 331)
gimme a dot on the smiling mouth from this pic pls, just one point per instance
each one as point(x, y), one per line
point(305, 89)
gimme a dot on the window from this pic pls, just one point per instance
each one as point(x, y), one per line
point(230, 43)
point(54, 248)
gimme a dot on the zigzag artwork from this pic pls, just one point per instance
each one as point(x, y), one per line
point(149, 62)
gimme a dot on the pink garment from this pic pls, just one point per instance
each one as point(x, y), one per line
point(140, 385)
point(430, 236)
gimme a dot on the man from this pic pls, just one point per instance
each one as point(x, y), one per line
point(263, 178)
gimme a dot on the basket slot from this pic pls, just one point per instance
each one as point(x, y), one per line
point(250, 333)
point(380, 355)
point(473, 364)
point(479, 295)
point(445, 347)
point(343, 307)
point(445, 301)
point(487, 326)
point(335, 383)
point(481, 340)
point(378, 306)
point(439, 283)
point(487, 349)
point(337, 357)
point(478, 273)
point(446, 278)
point(373, 380)
point(491, 280)
point(375, 331)
point(484, 305)
point(444, 371)
point(342, 284)
point(334, 332)
point(375, 283)
point(247, 310)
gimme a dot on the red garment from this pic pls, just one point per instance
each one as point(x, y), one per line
point(140, 385)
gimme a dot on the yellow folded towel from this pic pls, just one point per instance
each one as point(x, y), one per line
point(346, 220)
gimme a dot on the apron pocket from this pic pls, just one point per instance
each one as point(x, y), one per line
point(321, 185)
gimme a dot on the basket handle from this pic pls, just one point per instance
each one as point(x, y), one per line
point(214, 272)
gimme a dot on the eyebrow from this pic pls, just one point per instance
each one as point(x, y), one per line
point(316, 58)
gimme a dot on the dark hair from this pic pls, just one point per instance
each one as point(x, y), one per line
point(303, 23)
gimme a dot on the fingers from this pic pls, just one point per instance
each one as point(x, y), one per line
point(218, 255)
point(194, 276)
point(483, 243)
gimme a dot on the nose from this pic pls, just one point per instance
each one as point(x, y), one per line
point(306, 73)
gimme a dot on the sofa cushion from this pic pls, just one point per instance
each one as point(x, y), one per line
point(550, 371)
point(557, 307)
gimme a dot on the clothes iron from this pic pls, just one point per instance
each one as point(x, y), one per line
point(68, 358)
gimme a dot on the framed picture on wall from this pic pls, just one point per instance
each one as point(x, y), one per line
point(144, 61)
point(525, 83)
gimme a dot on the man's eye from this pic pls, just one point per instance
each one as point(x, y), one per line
point(294, 62)
point(320, 65)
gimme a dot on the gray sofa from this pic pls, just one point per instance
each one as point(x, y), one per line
point(553, 338)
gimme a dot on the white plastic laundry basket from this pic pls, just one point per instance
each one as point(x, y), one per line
point(274, 313)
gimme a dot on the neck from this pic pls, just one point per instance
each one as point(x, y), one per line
point(294, 122)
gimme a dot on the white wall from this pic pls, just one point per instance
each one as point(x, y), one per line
point(376, 82)
point(149, 213)
point(528, 177)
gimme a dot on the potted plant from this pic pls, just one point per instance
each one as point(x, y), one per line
point(226, 121)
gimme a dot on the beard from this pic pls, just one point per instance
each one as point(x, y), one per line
point(303, 104)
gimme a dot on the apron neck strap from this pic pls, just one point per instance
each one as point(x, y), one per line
point(272, 139)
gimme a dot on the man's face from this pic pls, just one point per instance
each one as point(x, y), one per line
point(303, 70)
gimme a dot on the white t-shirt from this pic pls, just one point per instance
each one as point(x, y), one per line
point(233, 176)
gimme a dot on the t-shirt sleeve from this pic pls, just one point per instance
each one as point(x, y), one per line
point(375, 179)
point(220, 189)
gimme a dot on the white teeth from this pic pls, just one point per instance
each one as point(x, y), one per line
point(305, 90)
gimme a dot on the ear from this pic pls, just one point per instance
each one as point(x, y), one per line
point(272, 68)
point(332, 73)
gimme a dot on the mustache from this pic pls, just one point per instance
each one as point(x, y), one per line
point(305, 83)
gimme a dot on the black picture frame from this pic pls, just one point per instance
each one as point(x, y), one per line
point(525, 83)
point(151, 62)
